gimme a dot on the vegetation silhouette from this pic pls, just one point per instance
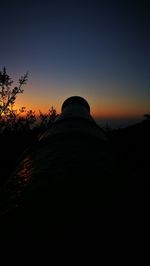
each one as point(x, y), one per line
point(18, 128)
point(8, 93)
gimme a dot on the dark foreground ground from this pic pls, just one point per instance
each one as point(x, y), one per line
point(103, 204)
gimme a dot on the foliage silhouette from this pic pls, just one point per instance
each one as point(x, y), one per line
point(8, 93)
point(22, 119)
point(18, 128)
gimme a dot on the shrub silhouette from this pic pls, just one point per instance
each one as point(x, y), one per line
point(8, 93)
point(18, 128)
point(22, 119)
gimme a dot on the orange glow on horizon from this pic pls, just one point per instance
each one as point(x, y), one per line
point(103, 112)
point(117, 111)
point(101, 107)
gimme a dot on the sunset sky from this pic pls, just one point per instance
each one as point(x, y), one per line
point(96, 49)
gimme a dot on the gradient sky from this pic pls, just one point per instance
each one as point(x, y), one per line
point(96, 49)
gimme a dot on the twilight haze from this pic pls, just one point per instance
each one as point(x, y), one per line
point(99, 50)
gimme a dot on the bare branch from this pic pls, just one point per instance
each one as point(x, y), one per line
point(7, 93)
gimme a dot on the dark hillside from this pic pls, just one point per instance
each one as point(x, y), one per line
point(133, 146)
point(12, 146)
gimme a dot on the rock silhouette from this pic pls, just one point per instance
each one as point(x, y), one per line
point(77, 179)
point(68, 176)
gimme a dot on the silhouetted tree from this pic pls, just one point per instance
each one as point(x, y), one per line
point(8, 93)
point(16, 120)
point(52, 114)
point(46, 119)
point(30, 118)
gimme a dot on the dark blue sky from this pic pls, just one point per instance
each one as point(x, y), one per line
point(97, 49)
